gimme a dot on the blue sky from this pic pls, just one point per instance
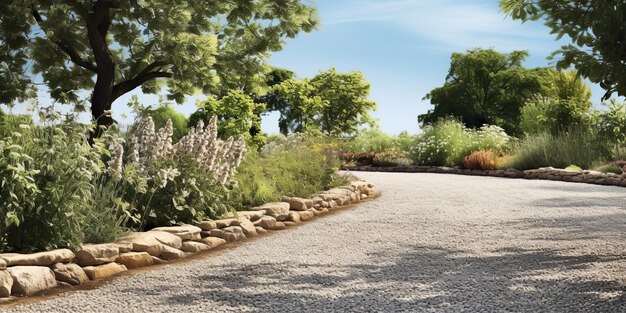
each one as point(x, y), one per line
point(403, 47)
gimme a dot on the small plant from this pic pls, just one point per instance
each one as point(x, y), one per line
point(483, 160)
point(579, 147)
point(447, 142)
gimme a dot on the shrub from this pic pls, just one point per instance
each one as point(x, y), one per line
point(578, 147)
point(298, 165)
point(178, 183)
point(47, 175)
point(612, 128)
point(484, 160)
point(391, 158)
point(359, 158)
point(447, 142)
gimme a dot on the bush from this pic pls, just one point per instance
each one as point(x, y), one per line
point(180, 183)
point(447, 142)
point(483, 160)
point(359, 158)
point(48, 176)
point(578, 147)
point(298, 165)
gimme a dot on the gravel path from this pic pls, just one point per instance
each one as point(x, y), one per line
point(432, 243)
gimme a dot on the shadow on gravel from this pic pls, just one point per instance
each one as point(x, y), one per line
point(426, 279)
point(601, 201)
point(608, 227)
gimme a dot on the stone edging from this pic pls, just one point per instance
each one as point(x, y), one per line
point(544, 173)
point(30, 274)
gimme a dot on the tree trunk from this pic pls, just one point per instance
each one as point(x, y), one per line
point(101, 101)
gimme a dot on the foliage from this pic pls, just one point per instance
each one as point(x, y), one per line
point(165, 112)
point(391, 158)
point(334, 103)
point(113, 47)
point(610, 168)
point(448, 141)
point(47, 176)
point(483, 160)
point(238, 115)
point(182, 182)
point(565, 105)
point(612, 127)
point(358, 158)
point(298, 165)
point(579, 147)
point(574, 168)
point(485, 87)
point(375, 141)
point(596, 28)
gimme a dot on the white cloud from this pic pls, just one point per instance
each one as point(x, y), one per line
point(455, 24)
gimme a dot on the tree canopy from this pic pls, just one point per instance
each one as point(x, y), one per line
point(484, 86)
point(334, 103)
point(112, 47)
point(237, 115)
point(597, 29)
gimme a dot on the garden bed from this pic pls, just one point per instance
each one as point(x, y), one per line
point(544, 173)
point(37, 273)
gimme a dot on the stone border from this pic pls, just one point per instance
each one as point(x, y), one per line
point(32, 274)
point(544, 173)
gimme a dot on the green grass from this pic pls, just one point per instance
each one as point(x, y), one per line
point(560, 150)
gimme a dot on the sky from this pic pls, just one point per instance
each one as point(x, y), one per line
point(403, 48)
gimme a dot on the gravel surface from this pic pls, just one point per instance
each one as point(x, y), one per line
point(432, 243)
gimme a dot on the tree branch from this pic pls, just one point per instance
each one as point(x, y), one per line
point(126, 86)
point(65, 47)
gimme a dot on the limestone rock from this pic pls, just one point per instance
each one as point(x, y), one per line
point(260, 230)
point(207, 225)
point(28, 280)
point(6, 283)
point(274, 208)
point(324, 210)
point(225, 222)
point(69, 273)
point(212, 242)
point(145, 242)
point(184, 232)
point(104, 271)
point(124, 246)
point(315, 212)
point(167, 239)
point(247, 227)
point(252, 215)
point(294, 217)
point(280, 226)
point(157, 261)
point(289, 223)
point(306, 215)
point(38, 259)
point(135, 259)
point(96, 254)
point(194, 246)
point(3, 264)
point(298, 204)
point(266, 222)
point(170, 253)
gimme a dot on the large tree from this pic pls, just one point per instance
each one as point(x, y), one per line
point(597, 29)
point(484, 87)
point(334, 103)
point(111, 47)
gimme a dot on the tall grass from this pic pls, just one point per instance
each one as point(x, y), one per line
point(576, 147)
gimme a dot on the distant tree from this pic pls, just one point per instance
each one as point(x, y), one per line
point(334, 103)
point(597, 29)
point(484, 87)
point(563, 105)
point(162, 113)
point(237, 113)
point(112, 47)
